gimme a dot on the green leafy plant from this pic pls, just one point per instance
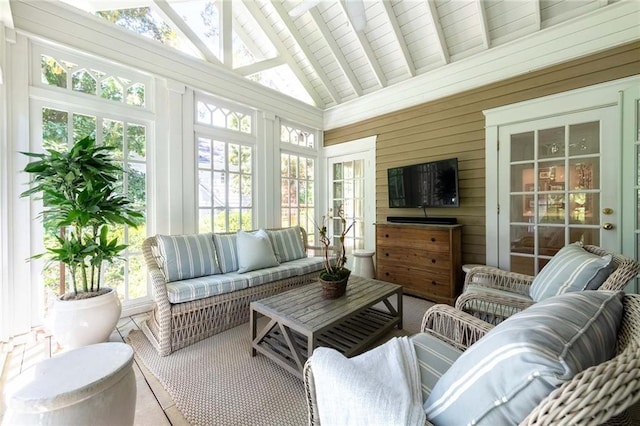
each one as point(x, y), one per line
point(334, 267)
point(79, 189)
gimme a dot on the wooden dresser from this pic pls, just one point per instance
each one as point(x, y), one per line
point(425, 259)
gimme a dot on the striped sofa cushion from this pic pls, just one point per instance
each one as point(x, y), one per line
point(227, 251)
point(187, 256)
point(435, 357)
point(267, 275)
point(206, 286)
point(287, 243)
point(306, 265)
point(572, 268)
point(501, 378)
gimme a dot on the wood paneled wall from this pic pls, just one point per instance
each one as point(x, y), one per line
point(454, 127)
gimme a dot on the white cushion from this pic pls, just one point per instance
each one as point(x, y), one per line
point(254, 251)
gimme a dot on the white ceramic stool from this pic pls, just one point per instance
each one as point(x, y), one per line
point(91, 385)
point(363, 263)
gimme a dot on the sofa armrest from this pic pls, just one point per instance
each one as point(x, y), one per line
point(489, 276)
point(454, 327)
point(159, 291)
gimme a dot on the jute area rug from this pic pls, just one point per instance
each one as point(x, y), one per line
point(217, 382)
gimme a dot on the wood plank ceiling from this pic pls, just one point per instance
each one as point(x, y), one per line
point(337, 57)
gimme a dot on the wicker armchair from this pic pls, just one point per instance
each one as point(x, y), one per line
point(493, 294)
point(602, 394)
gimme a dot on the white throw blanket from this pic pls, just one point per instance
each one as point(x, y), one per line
point(379, 387)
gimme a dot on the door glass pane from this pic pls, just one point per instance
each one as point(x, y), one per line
point(522, 239)
point(584, 173)
point(585, 235)
point(584, 138)
point(551, 239)
point(522, 208)
point(524, 265)
point(522, 146)
point(584, 208)
point(551, 143)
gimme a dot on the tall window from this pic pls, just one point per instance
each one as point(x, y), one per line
point(94, 88)
point(297, 178)
point(225, 142)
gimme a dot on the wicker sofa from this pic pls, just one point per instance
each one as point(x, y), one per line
point(216, 290)
point(604, 393)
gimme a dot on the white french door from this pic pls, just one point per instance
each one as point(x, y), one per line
point(559, 180)
point(351, 184)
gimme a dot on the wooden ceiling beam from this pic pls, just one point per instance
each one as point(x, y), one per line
point(366, 48)
point(317, 68)
point(336, 52)
point(399, 38)
point(257, 14)
point(432, 14)
point(167, 11)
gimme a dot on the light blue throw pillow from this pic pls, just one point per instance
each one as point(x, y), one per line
point(255, 251)
point(572, 268)
point(502, 377)
point(287, 244)
point(227, 251)
point(187, 256)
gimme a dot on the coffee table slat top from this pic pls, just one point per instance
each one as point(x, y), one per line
point(304, 308)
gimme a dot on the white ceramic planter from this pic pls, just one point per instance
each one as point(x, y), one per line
point(76, 323)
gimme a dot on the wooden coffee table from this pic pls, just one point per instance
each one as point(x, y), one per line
point(300, 320)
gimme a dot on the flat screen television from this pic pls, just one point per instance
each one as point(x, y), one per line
point(433, 184)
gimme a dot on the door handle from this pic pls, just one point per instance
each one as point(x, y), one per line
point(608, 226)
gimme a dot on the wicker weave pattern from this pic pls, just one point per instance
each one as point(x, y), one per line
point(496, 308)
point(174, 326)
point(601, 394)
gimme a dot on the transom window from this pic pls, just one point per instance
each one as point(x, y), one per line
point(79, 75)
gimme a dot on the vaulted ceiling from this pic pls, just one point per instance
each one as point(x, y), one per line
point(327, 52)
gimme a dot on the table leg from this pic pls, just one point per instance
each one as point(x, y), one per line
point(254, 329)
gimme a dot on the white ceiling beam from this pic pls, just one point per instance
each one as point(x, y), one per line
point(484, 25)
point(226, 37)
point(432, 15)
point(247, 40)
point(293, 30)
point(336, 52)
point(257, 14)
point(535, 4)
point(257, 67)
point(169, 13)
point(5, 14)
point(366, 47)
point(399, 37)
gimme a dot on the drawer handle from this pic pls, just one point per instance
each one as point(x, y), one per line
point(434, 282)
point(386, 273)
point(433, 240)
point(386, 235)
point(386, 254)
point(433, 261)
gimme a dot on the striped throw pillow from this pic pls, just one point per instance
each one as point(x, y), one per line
point(187, 256)
point(287, 244)
point(502, 377)
point(572, 268)
point(227, 251)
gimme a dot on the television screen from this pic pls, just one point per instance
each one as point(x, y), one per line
point(433, 184)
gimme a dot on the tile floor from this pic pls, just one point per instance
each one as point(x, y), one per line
point(153, 404)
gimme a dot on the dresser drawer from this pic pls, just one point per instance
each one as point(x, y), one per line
point(437, 241)
point(420, 281)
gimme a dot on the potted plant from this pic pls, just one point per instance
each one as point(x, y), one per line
point(79, 190)
point(335, 275)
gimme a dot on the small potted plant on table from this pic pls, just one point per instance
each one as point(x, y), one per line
point(335, 275)
point(79, 189)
